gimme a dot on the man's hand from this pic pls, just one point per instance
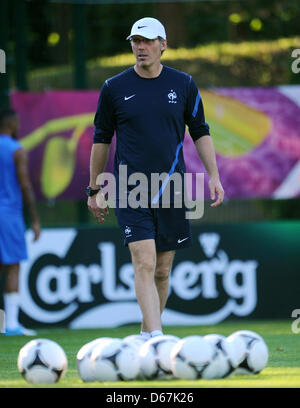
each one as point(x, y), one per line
point(36, 228)
point(216, 190)
point(98, 206)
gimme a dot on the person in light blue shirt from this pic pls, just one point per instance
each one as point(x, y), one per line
point(148, 107)
point(15, 187)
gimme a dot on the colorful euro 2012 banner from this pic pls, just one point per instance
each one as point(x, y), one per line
point(256, 133)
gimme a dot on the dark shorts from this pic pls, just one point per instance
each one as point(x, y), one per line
point(167, 226)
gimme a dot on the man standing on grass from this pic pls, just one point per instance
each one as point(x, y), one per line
point(15, 186)
point(148, 106)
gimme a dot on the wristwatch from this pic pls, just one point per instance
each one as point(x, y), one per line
point(90, 192)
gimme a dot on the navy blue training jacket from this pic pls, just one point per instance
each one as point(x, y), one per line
point(149, 117)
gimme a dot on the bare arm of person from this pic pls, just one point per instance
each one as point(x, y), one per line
point(98, 160)
point(21, 162)
point(206, 152)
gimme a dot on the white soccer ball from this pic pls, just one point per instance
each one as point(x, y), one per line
point(83, 359)
point(155, 357)
point(252, 351)
point(42, 361)
point(191, 358)
point(114, 361)
point(135, 340)
point(226, 361)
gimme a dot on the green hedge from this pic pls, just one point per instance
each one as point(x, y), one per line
point(260, 63)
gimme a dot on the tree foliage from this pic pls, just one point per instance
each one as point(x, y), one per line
point(188, 24)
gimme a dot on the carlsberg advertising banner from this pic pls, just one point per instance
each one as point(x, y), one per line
point(83, 277)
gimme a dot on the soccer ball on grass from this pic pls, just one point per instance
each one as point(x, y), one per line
point(42, 361)
point(83, 359)
point(252, 351)
point(191, 358)
point(226, 362)
point(155, 357)
point(114, 361)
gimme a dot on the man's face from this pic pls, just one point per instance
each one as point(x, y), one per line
point(147, 52)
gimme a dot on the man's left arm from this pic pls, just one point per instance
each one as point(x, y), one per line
point(199, 131)
point(206, 151)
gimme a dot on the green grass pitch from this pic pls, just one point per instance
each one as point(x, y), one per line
point(282, 371)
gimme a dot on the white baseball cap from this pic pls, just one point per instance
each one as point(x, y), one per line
point(148, 27)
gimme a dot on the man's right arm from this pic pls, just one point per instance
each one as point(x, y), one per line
point(98, 160)
point(103, 133)
point(21, 162)
point(99, 155)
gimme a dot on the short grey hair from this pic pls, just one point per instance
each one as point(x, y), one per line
point(161, 40)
